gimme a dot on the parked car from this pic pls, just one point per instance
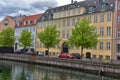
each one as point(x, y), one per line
point(19, 51)
point(30, 52)
point(65, 55)
point(39, 53)
point(76, 55)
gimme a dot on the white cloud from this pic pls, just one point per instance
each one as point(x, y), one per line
point(27, 7)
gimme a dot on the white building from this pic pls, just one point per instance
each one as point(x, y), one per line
point(28, 23)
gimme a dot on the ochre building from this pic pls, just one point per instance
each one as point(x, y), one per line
point(103, 14)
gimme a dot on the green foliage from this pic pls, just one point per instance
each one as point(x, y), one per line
point(25, 39)
point(83, 35)
point(7, 37)
point(6, 73)
point(49, 37)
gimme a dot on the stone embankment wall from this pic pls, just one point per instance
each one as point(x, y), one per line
point(108, 68)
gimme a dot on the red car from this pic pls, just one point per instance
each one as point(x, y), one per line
point(65, 55)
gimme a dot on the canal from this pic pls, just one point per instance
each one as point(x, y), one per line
point(22, 71)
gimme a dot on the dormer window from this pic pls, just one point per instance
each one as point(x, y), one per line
point(101, 1)
point(91, 9)
point(25, 23)
point(104, 6)
point(28, 22)
point(18, 24)
point(35, 21)
point(72, 6)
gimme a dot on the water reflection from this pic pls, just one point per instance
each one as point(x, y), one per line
point(21, 71)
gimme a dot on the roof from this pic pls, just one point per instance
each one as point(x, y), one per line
point(48, 15)
point(30, 20)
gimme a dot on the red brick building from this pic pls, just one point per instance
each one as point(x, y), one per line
point(7, 22)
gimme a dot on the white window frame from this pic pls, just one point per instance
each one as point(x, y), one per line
point(101, 31)
point(107, 45)
point(101, 45)
point(108, 31)
point(109, 17)
point(102, 18)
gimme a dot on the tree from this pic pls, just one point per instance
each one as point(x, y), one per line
point(25, 39)
point(49, 37)
point(83, 36)
point(7, 37)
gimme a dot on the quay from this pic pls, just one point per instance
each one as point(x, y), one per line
point(110, 68)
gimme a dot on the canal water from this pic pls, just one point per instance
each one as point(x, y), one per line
point(22, 71)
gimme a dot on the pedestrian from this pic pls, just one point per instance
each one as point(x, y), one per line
point(100, 72)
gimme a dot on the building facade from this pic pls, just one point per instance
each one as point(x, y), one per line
point(10, 21)
point(7, 22)
point(103, 14)
point(28, 23)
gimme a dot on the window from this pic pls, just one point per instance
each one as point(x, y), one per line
point(108, 57)
point(95, 18)
point(59, 14)
point(28, 22)
point(107, 45)
point(78, 19)
point(100, 56)
point(118, 34)
point(108, 30)
point(68, 22)
point(73, 21)
point(68, 12)
point(95, 31)
point(101, 45)
point(35, 21)
point(102, 18)
point(59, 23)
point(74, 11)
point(79, 10)
point(89, 19)
point(63, 33)
point(18, 24)
point(49, 17)
point(104, 6)
point(118, 47)
point(101, 31)
point(63, 22)
point(108, 17)
point(68, 34)
point(41, 25)
point(59, 35)
point(119, 6)
point(118, 19)
point(6, 21)
point(64, 13)
point(94, 57)
point(101, 1)
point(91, 9)
point(25, 23)
point(94, 47)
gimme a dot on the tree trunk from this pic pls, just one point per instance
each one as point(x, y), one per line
point(81, 52)
point(48, 52)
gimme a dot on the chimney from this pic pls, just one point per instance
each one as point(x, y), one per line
point(71, 1)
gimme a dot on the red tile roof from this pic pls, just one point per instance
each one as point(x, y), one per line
point(30, 20)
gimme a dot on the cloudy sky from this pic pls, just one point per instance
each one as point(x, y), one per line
point(28, 7)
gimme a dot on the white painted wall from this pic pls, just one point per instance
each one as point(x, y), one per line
point(18, 31)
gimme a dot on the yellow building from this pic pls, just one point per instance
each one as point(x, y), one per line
point(103, 14)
